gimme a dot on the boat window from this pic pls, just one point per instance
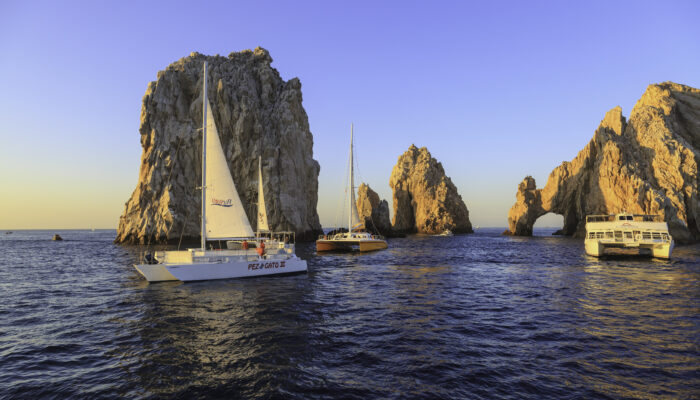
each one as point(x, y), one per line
point(609, 234)
point(599, 235)
point(628, 235)
point(646, 235)
point(656, 235)
point(621, 218)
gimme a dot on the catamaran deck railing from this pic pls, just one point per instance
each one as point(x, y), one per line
point(624, 217)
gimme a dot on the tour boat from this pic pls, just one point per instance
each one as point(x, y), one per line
point(223, 218)
point(628, 231)
point(446, 232)
point(354, 238)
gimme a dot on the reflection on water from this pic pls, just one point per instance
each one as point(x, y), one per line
point(635, 306)
point(476, 316)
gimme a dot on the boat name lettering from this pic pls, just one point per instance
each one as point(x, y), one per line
point(266, 265)
point(222, 203)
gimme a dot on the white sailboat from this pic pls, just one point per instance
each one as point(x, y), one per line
point(223, 218)
point(354, 238)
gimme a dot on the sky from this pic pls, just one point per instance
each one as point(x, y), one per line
point(495, 90)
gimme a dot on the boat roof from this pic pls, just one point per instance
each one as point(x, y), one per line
point(624, 216)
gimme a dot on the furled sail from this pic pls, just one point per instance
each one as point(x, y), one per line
point(225, 216)
point(262, 211)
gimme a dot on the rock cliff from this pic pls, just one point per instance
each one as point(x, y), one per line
point(648, 165)
point(256, 113)
point(425, 199)
point(374, 212)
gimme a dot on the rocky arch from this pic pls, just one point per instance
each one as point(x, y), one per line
point(647, 165)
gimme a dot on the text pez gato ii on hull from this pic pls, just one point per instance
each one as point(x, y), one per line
point(628, 231)
point(223, 218)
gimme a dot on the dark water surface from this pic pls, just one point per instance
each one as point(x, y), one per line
point(476, 316)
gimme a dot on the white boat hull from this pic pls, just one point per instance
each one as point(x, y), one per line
point(223, 270)
point(598, 249)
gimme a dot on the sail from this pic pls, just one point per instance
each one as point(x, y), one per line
point(225, 216)
point(262, 211)
point(354, 221)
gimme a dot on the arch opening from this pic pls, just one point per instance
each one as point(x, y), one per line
point(548, 225)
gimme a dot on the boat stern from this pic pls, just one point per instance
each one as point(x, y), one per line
point(155, 272)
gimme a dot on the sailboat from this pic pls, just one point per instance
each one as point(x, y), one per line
point(223, 218)
point(354, 238)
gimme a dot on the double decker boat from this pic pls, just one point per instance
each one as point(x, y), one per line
point(641, 232)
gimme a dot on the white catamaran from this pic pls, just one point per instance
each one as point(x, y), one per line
point(223, 218)
point(628, 232)
point(354, 238)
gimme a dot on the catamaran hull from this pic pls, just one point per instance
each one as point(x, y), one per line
point(350, 245)
point(598, 249)
point(228, 270)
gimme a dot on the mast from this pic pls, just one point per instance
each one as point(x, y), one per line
point(204, 158)
point(257, 226)
point(351, 190)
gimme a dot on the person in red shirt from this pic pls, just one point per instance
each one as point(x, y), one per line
point(261, 248)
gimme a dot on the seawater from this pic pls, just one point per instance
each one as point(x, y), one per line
point(462, 317)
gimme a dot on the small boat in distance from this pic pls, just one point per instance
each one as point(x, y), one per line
point(628, 231)
point(355, 238)
point(223, 218)
point(446, 232)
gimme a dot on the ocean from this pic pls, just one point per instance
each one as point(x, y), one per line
point(478, 316)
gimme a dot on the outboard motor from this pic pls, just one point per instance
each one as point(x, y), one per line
point(148, 257)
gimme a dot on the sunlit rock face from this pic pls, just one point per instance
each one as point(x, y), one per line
point(256, 113)
point(647, 165)
point(425, 199)
point(373, 211)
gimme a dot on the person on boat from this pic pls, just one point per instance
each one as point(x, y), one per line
point(245, 245)
point(261, 248)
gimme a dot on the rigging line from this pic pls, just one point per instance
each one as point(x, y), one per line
point(148, 242)
point(184, 222)
point(172, 165)
point(358, 175)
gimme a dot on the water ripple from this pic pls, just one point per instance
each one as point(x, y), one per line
point(479, 316)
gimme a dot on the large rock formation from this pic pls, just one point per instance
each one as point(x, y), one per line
point(425, 199)
point(373, 212)
point(648, 165)
point(256, 113)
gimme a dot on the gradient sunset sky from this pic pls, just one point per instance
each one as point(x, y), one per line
point(496, 90)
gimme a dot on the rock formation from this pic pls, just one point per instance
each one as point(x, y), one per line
point(647, 165)
point(425, 199)
point(256, 113)
point(374, 212)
